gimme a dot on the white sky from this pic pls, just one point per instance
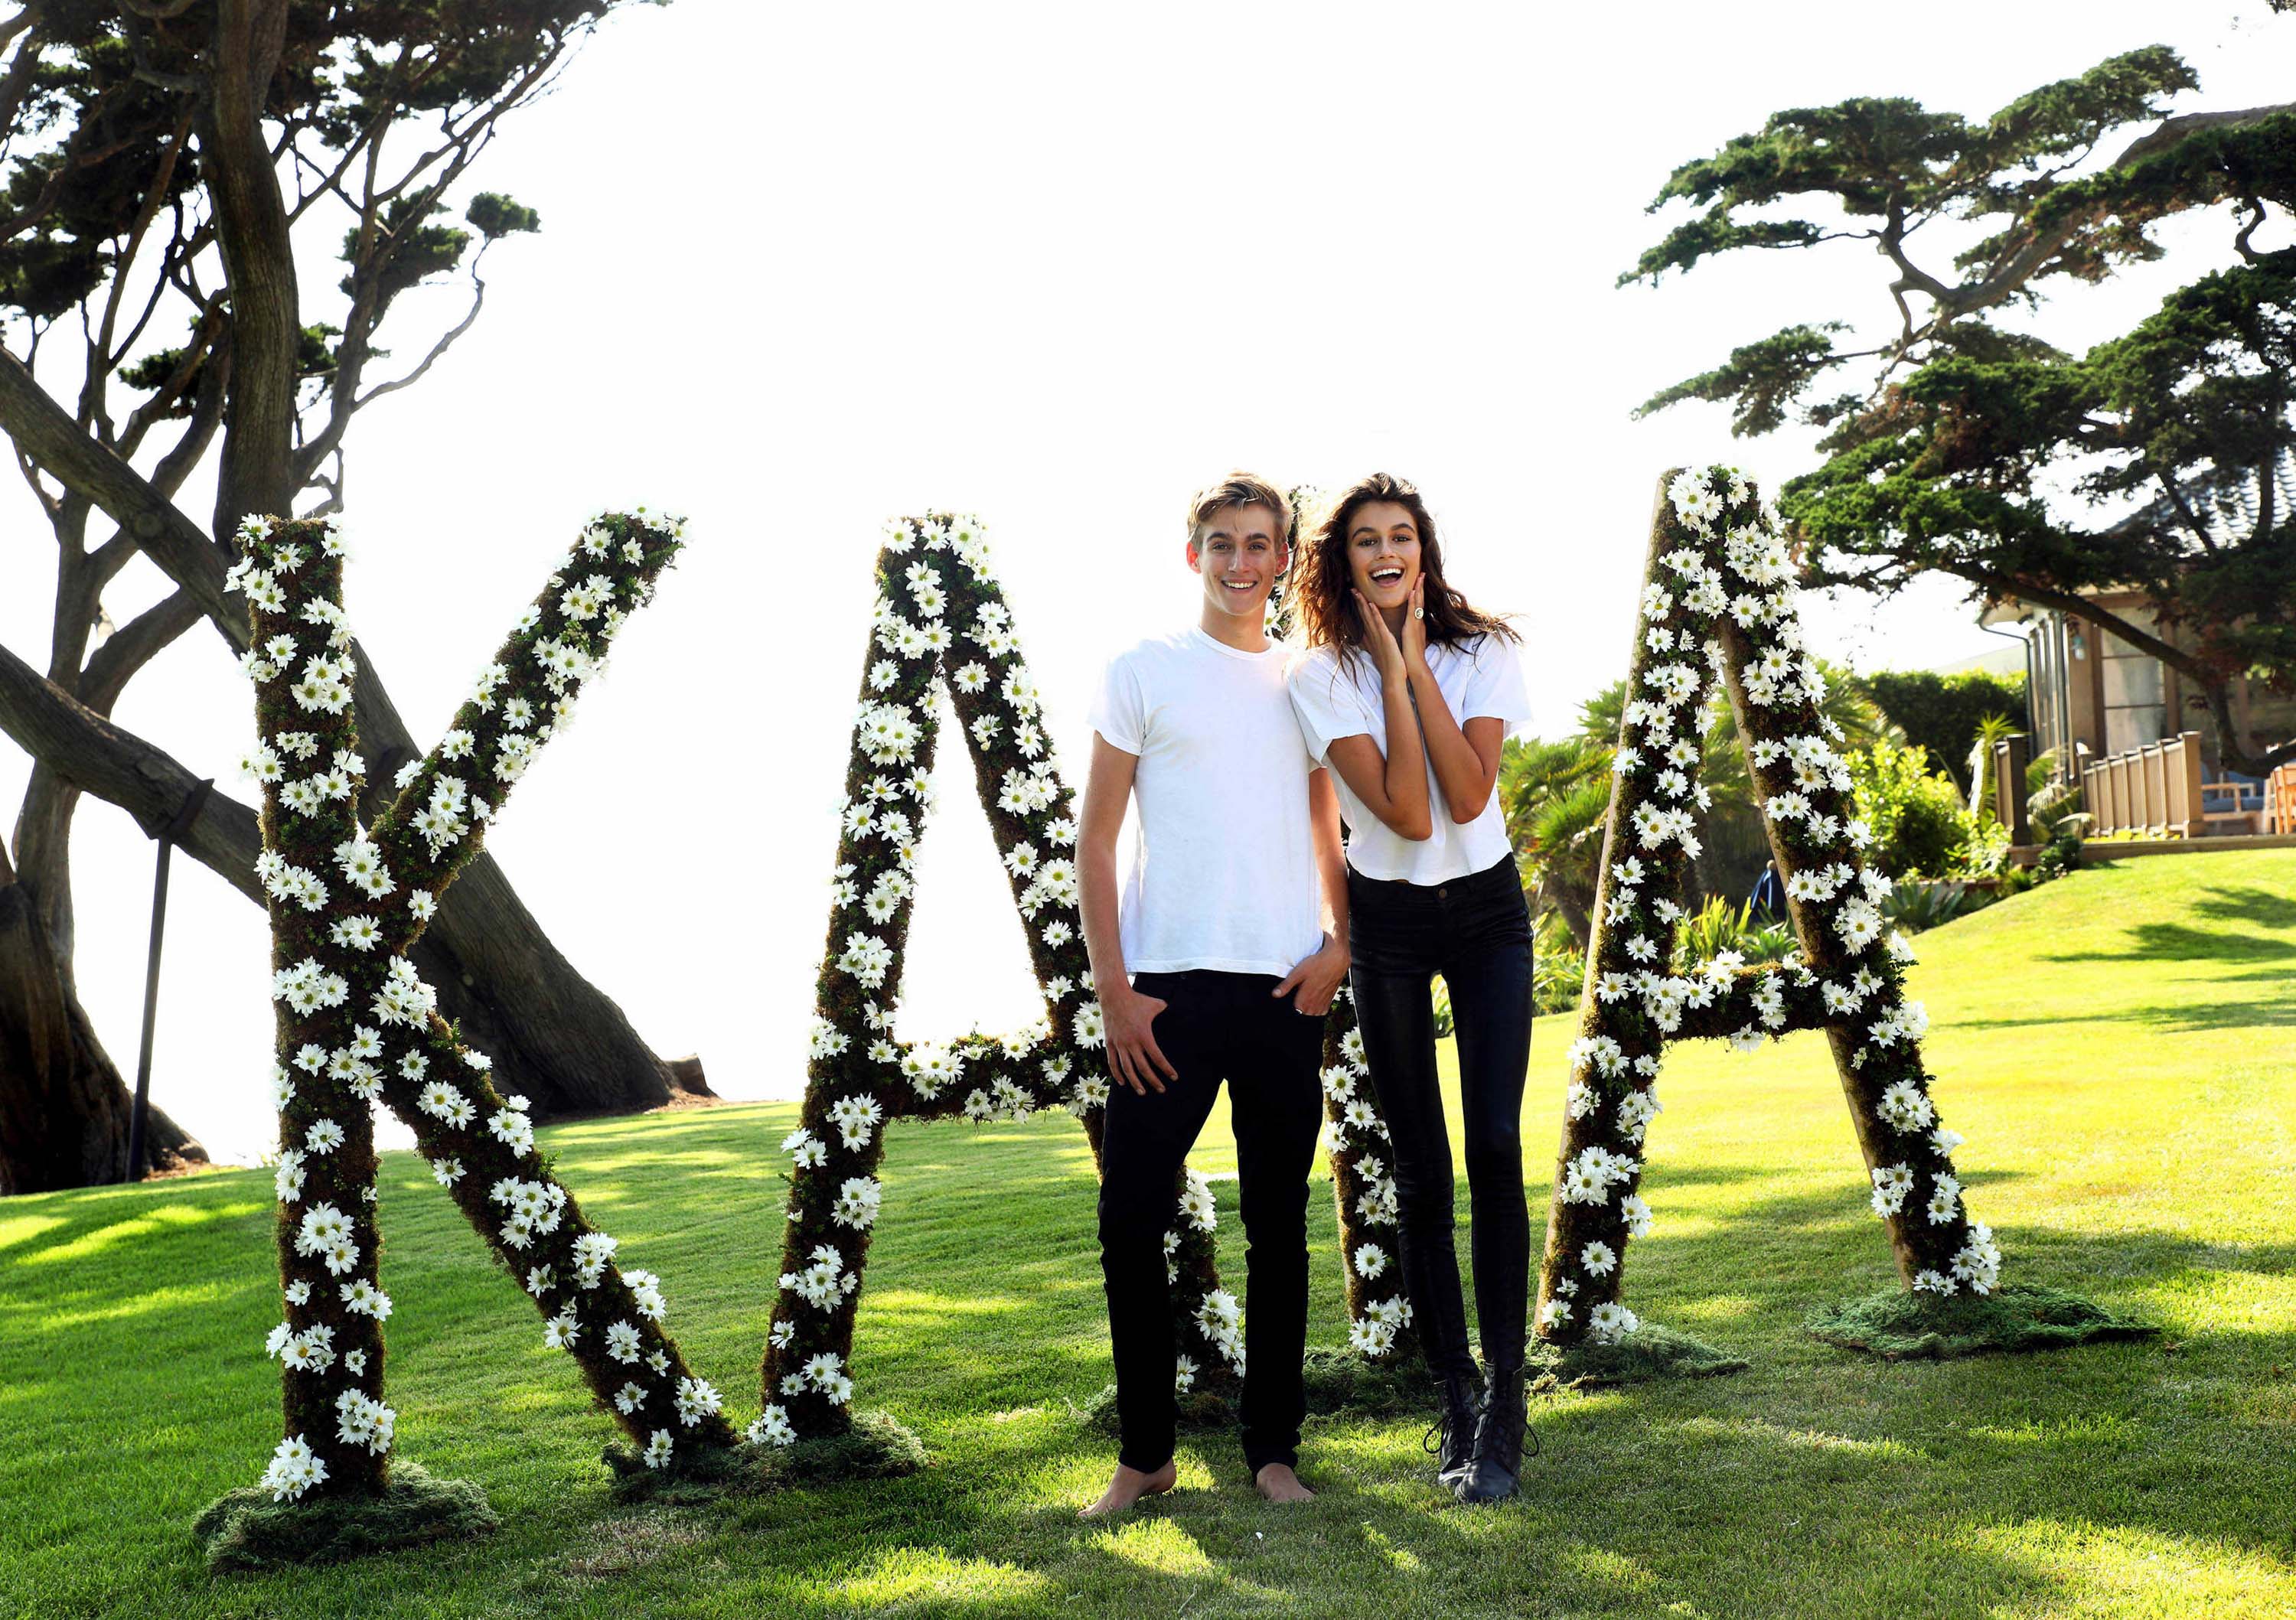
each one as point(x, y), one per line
point(1058, 265)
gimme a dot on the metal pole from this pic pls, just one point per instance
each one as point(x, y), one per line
point(167, 838)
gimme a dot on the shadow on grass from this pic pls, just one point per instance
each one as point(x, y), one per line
point(2182, 942)
point(2147, 1256)
point(2193, 1019)
point(85, 1226)
point(1825, 1240)
point(2260, 906)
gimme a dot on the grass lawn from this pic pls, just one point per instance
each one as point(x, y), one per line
point(2119, 1048)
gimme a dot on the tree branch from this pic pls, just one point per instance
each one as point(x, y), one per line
point(365, 314)
point(23, 66)
point(2022, 265)
point(45, 435)
point(207, 331)
point(122, 769)
point(478, 298)
point(1892, 244)
point(134, 645)
point(175, 466)
point(2247, 232)
point(100, 360)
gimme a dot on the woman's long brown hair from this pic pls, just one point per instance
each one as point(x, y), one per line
point(1323, 585)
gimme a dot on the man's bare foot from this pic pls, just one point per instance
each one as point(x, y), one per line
point(1278, 1483)
point(1128, 1486)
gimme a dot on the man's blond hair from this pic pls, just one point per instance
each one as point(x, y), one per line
point(1237, 489)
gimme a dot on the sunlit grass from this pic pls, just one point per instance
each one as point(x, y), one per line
point(2119, 1050)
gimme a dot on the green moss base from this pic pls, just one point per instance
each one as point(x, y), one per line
point(1199, 1410)
point(1647, 1354)
point(1348, 1381)
point(1898, 1324)
point(876, 1447)
point(246, 1529)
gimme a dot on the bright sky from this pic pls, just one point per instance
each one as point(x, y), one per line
point(1058, 265)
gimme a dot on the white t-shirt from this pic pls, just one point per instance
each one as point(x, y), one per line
point(1482, 677)
point(1223, 875)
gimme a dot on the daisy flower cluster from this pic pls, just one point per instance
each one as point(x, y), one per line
point(1717, 626)
point(357, 1025)
point(1363, 1184)
point(941, 632)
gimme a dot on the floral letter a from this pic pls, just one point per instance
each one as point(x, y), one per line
point(1717, 624)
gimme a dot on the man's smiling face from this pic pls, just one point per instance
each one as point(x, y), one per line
point(1241, 552)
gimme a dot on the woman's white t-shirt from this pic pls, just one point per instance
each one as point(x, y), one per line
point(1224, 875)
point(1480, 676)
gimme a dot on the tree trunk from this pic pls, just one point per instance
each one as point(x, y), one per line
point(552, 1035)
point(64, 1109)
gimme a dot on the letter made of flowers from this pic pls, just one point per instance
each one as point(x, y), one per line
point(1717, 624)
point(941, 617)
point(356, 1026)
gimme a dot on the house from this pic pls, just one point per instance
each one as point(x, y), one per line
point(2089, 692)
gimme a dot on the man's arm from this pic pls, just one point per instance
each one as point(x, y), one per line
point(1317, 978)
point(1134, 1057)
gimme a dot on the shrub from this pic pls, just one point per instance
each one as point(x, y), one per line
point(2063, 856)
point(2052, 805)
point(1942, 713)
point(1919, 822)
point(1983, 846)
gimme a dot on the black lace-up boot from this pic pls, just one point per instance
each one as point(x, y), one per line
point(1452, 1441)
point(1499, 1433)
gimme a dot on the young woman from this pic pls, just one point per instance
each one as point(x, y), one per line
point(1405, 693)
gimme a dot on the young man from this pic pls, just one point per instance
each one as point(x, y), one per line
point(1219, 964)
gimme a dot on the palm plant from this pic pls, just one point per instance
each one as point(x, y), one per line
point(1718, 926)
point(1923, 904)
point(1556, 796)
point(1558, 967)
point(1990, 730)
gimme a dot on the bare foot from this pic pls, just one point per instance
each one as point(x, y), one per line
point(1128, 1486)
point(1278, 1483)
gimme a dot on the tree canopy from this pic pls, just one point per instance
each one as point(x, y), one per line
point(2160, 460)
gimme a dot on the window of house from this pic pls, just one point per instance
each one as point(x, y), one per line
point(2135, 712)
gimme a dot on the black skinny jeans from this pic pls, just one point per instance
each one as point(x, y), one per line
point(1214, 1025)
point(1474, 930)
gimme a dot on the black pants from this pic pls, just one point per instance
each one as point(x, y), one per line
point(1214, 1027)
point(1474, 930)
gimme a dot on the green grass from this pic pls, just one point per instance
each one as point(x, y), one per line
point(2120, 1049)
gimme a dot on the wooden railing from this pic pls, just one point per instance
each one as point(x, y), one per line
point(2154, 789)
point(2280, 800)
point(2011, 756)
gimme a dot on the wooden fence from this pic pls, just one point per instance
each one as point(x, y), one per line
point(2154, 789)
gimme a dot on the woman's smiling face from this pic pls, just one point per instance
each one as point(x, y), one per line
point(1383, 552)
